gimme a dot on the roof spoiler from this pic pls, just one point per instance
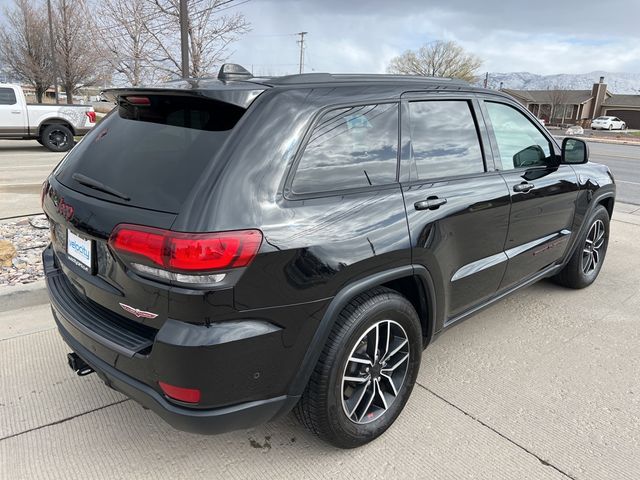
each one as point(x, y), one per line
point(233, 71)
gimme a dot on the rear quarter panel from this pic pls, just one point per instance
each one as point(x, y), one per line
point(311, 247)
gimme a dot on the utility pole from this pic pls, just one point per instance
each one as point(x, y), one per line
point(301, 42)
point(53, 54)
point(184, 38)
point(486, 80)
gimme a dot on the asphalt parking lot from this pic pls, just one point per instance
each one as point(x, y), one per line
point(543, 385)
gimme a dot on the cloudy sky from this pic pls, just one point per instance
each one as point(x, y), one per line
point(538, 36)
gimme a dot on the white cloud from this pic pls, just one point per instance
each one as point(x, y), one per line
point(358, 36)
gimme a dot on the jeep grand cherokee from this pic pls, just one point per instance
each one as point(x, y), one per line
point(226, 250)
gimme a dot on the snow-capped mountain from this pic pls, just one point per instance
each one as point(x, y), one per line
point(628, 83)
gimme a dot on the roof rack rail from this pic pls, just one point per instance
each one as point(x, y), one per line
point(358, 77)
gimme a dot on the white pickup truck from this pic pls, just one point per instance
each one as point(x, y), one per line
point(54, 126)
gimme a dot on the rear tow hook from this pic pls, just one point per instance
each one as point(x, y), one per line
point(78, 365)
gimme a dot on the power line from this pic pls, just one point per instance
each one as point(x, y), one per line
point(251, 35)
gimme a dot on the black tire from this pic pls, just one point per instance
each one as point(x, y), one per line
point(579, 273)
point(610, 127)
point(39, 140)
point(57, 138)
point(322, 409)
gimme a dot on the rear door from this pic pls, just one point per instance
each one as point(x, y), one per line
point(543, 192)
point(13, 118)
point(457, 204)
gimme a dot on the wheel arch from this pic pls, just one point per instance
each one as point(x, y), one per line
point(412, 281)
point(607, 201)
point(55, 121)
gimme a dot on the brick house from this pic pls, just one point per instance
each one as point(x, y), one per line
point(579, 106)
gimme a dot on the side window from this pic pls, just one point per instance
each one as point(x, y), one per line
point(349, 148)
point(7, 96)
point(520, 143)
point(444, 139)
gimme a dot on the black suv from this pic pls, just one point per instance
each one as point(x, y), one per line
point(226, 250)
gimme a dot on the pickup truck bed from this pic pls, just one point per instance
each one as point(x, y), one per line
point(54, 126)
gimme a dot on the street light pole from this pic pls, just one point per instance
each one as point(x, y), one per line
point(53, 54)
point(184, 38)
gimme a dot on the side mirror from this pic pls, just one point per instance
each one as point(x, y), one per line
point(574, 151)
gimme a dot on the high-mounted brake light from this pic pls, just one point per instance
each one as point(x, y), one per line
point(92, 116)
point(184, 253)
point(138, 100)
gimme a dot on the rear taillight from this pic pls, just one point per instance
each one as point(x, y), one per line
point(92, 117)
point(185, 257)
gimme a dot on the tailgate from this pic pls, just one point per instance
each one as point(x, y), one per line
point(80, 227)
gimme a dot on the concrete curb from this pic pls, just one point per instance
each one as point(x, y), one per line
point(21, 296)
point(633, 143)
point(612, 141)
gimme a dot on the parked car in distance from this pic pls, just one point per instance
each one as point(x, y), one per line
point(53, 126)
point(257, 245)
point(608, 123)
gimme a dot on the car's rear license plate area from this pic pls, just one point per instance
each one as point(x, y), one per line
point(80, 251)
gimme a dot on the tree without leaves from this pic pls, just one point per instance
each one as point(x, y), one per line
point(128, 43)
point(78, 54)
point(25, 46)
point(210, 33)
point(558, 100)
point(437, 59)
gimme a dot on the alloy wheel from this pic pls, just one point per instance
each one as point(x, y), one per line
point(375, 372)
point(58, 138)
point(592, 251)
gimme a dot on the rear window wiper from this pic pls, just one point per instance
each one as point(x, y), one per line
point(95, 184)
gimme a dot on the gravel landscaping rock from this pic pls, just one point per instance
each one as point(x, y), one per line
point(28, 236)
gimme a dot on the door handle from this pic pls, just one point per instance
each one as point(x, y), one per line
point(16, 111)
point(523, 187)
point(431, 203)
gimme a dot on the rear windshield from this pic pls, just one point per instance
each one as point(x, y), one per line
point(150, 150)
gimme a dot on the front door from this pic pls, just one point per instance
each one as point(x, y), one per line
point(457, 204)
point(13, 120)
point(543, 192)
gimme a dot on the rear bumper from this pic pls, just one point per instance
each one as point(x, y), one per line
point(79, 132)
point(179, 353)
point(208, 421)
